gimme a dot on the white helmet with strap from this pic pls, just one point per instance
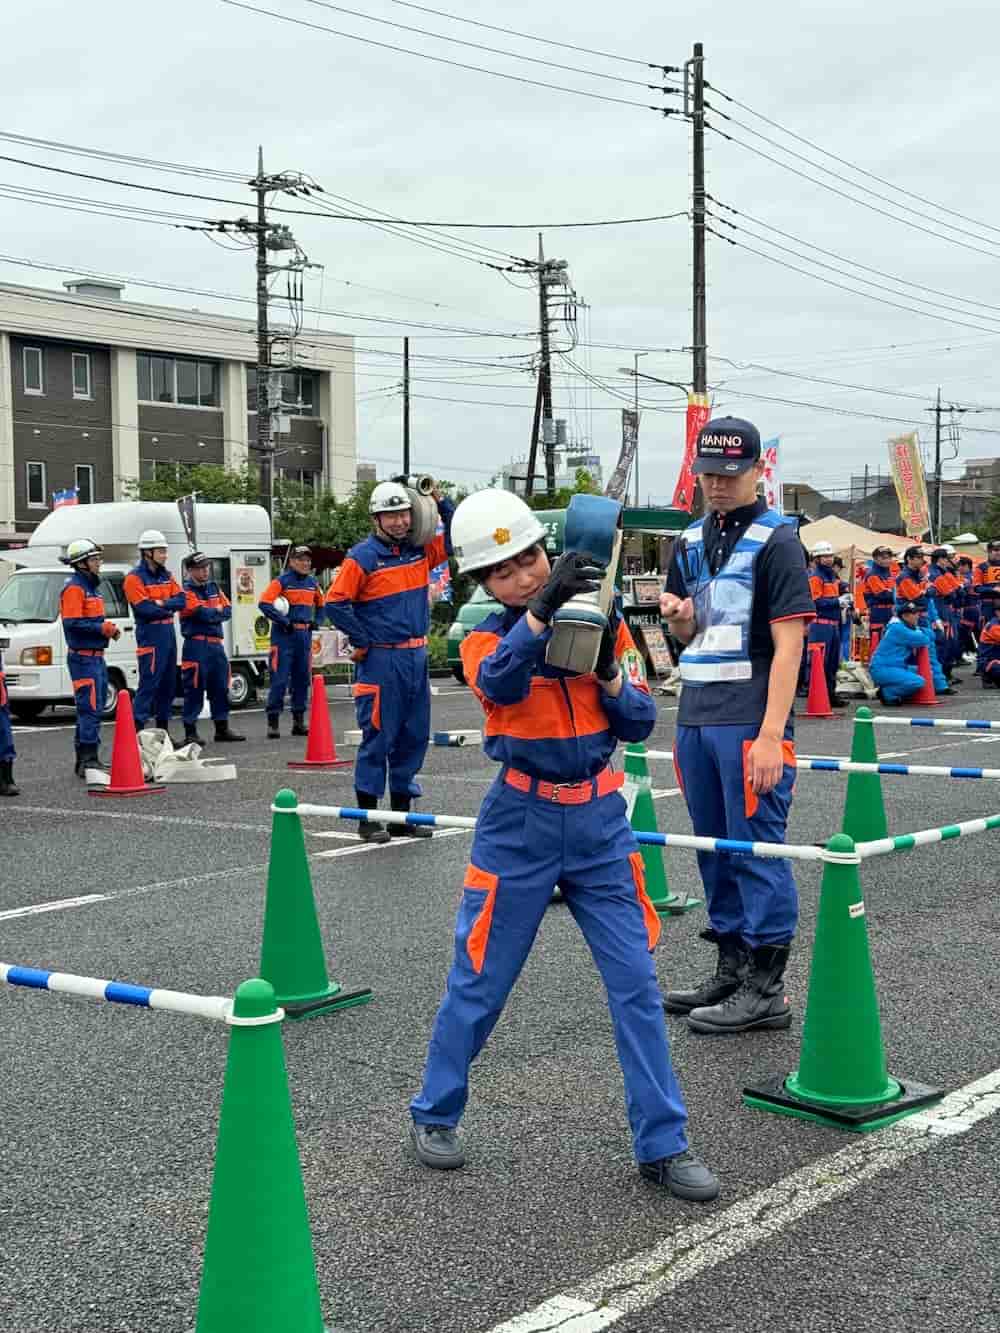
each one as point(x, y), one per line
point(491, 526)
point(151, 539)
point(389, 497)
point(822, 548)
point(81, 549)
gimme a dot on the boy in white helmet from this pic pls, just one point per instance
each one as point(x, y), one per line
point(87, 632)
point(554, 815)
point(380, 600)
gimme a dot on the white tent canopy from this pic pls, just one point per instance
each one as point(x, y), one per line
point(845, 537)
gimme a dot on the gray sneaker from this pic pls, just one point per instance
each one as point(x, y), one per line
point(437, 1146)
point(684, 1175)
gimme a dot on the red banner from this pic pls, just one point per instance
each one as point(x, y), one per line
point(697, 416)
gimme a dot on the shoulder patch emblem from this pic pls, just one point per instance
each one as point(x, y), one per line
point(502, 536)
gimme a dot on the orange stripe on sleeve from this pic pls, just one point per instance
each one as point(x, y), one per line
point(395, 579)
point(273, 590)
point(474, 650)
point(348, 584)
point(135, 589)
point(71, 602)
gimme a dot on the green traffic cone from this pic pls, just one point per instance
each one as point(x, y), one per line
point(259, 1274)
point(642, 817)
point(291, 956)
point(864, 806)
point(841, 1079)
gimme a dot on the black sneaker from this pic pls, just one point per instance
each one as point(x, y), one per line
point(273, 734)
point(440, 1147)
point(410, 831)
point(369, 831)
point(686, 1176)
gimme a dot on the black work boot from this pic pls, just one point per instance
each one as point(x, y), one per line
point(86, 757)
point(225, 733)
point(437, 1146)
point(191, 733)
point(299, 727)
point(729, 971)
point(7, 787)
point(273, 734)
point(685, 1175)
point(760, 1002)
point(400, 801)
point(368, 830)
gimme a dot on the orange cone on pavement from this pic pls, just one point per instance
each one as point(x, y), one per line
point(925, 695)
point(126, 765)
point(320, 749)
point(818, 703)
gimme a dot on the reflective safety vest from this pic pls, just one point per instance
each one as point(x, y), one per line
point(720, 650)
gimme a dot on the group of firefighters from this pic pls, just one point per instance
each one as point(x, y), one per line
point(933, 599)
point(739, 599)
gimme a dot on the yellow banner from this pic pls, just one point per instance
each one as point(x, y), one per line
point(911, 489)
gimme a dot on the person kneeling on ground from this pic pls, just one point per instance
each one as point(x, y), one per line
point(988, 660)
point(893, 666)
point(554, 814)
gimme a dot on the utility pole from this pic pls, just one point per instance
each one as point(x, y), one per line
point(406, 407)
point(699, 329)
point(635, 463)
point(265, 437)
point(545, 374)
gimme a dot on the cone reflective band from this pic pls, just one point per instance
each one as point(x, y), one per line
point(593, 527)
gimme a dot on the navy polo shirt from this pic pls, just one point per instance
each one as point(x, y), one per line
point(781, 592)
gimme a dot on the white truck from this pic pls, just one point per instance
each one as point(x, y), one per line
point(237, 537)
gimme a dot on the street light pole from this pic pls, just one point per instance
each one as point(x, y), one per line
point(635, 374)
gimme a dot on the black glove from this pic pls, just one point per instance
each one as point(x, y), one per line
point(607, 667)
point(572, 574)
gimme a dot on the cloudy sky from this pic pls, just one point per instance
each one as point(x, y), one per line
point(903, 91)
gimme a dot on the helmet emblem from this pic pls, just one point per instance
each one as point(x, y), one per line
point(502, 536)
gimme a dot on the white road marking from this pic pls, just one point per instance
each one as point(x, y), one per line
point(635, 1283)
point(133, 815)
point(381, 847)
point(57, 906)
point(665, 791)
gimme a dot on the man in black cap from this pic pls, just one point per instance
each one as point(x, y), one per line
point(205, 668)
point(737, 596)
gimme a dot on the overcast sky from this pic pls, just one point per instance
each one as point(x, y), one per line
point(905, 91)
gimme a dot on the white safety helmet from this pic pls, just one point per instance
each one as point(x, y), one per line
point(151, 539)
point(491, 526)
point(281, 605)
point(822, 548)
point(948, 548)
point(389, 497)
point(81, 549)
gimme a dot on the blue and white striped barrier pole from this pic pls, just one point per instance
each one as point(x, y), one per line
point(962, 723)
point(774, 850)
point(894, 770)
point(218, 1007)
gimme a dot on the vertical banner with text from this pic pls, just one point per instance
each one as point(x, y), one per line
point(617, 487)
point(772, 474)
point(697, 416)
point(911, 488)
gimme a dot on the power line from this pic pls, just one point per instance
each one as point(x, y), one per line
point(533, 37)
point(850, 412)
point(861, 171)
point(825, 185)
point(493, 50)
point(146, 163)
point(441, 60)
point(855, 263)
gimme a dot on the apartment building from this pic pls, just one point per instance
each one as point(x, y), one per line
point(97, 391)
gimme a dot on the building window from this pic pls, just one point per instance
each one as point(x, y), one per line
point(35, 479)
point(167, 379)
point(297, 391)
point(81, 375)
point(84, 483)
point(305, 477)
point(33, 380)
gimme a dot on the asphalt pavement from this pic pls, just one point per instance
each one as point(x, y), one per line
point(109, 1114)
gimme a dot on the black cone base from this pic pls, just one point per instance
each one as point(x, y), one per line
point(771, 1095)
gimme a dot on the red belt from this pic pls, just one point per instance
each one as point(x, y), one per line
point(820, 620)
point(407, 643)
point(88, 652)
point(301, 624)
point(566, 793)
point(205, 638)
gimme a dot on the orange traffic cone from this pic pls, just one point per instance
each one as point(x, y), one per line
point(818, 703)
point(320, 749)
point(925, 695)
point(126, 765)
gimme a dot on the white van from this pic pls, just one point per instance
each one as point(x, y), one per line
point(237, 537)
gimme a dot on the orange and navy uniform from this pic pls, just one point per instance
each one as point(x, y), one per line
point(204, 666)
point(380, 595)
point(87, 632)
point(985, 575)
point(916, 588)
point(291, 637)
point(826, 589)
point(878, 590)
point(989, 651)
point(380, 600)
point(154, 596)
point(544, 721)
point(7, 751)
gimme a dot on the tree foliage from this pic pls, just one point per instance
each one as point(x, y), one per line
point(989, 529)
point(584, 485)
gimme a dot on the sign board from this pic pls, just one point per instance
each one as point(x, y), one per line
point(330, 648)
point(651, 636)
point(250, 575)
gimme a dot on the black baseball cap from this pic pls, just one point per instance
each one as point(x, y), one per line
point(882, 550)
point(300, 553)
point(906, 607)
point(911, 551)
point(197, 558)
point(726, 447)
